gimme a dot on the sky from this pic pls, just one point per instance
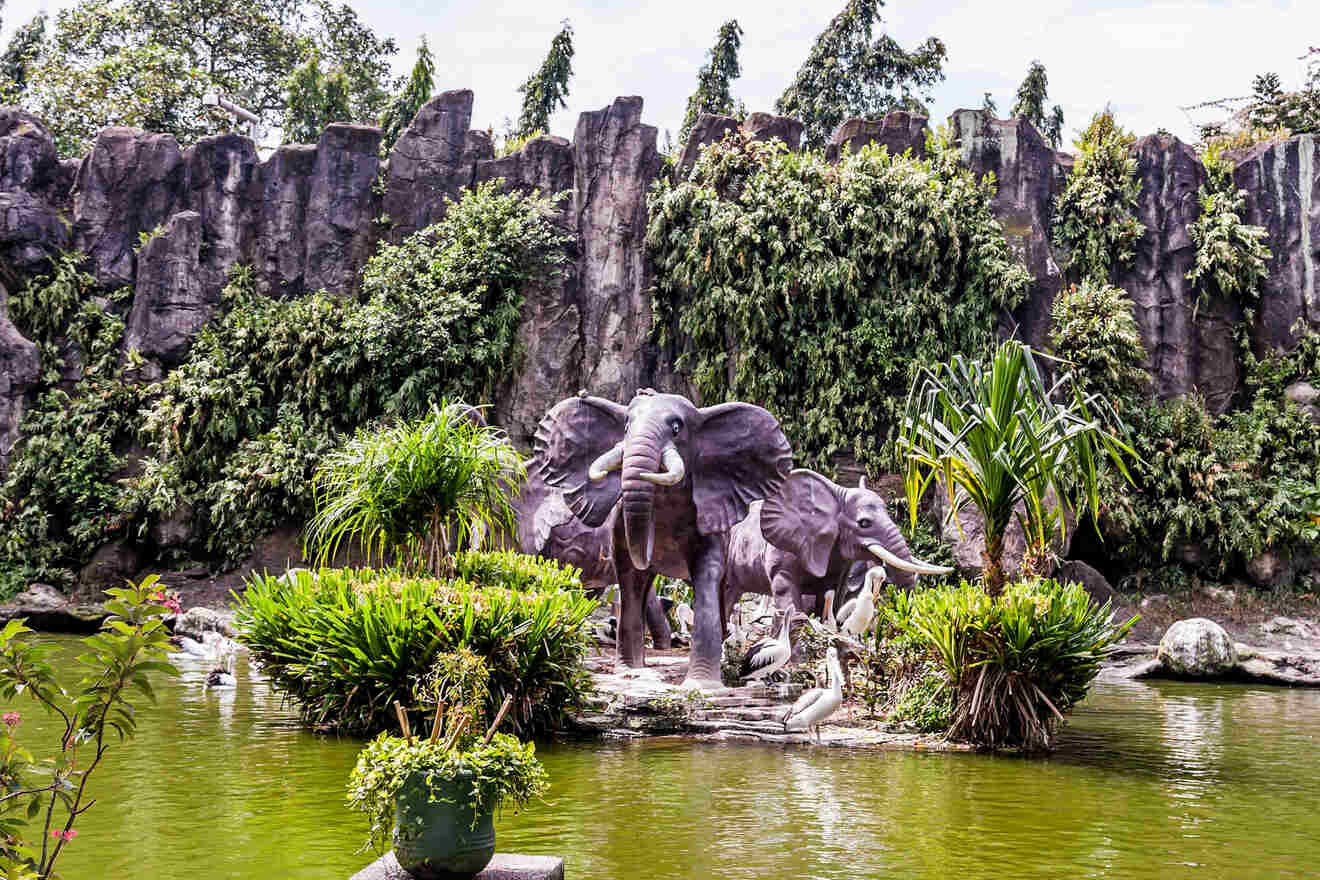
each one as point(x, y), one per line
point(1144, 59)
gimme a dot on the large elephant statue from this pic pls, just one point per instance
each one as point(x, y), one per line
point(681, 477)
point(804, 540)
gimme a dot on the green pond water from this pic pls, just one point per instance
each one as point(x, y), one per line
point(1162, 780)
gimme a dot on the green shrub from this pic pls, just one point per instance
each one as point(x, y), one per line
point(815, 289)
point(1094, 329)
point(1017, 661)
point(344, 645)
point(1095, 222)
point(1230, 254)
point(900, 681)
point(415, 489)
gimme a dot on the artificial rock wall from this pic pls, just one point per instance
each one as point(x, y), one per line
point(309, 216)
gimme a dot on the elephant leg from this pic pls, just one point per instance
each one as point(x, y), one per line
point(656, 620)
point(632, 602)
point(707, 567)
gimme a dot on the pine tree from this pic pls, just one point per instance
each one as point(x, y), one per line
point(404, 106)
point(849, 74)
point(1030, 105)
point(545, 91)
point(712, 94)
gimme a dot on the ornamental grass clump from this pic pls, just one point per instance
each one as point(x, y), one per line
point(454, 759)
point(1016, 662)
point(344, 645)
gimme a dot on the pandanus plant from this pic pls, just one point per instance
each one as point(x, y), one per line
point(994, 435)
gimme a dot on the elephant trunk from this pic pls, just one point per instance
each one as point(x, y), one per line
point(641, 457)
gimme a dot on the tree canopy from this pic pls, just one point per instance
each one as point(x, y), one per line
point(1030, 104)
point(545, 91)
point(849, 73)
point(149, 63)
point(712, 94)
point(404, 106)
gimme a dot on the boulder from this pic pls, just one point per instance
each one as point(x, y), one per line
point(1028, 177)
point(1271, 568)
point(171, 300)
point(223, 175)
point(1197, 648)
point(27, 153)
point(195, 623)
point(1095, 584)
point(766, 127)
point(31, 191)
point(109, 567)
point(431, 161)
point(1282, 183)
point(46, 609)
point(504, 866)
point(341, 205)
point(710, 128)
point(20, 366)
point(614, 163)
point(1306, 396)
point(898, 132)
point(130, 183)
point(284, 183)
point(966, 535)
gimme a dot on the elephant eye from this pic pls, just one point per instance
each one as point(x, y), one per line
point(676, 426)
point(864, 523)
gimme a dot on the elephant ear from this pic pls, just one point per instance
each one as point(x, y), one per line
point(804, 519)
point(741, 456)
point(574, 433)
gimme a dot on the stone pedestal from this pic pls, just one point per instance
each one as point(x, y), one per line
point(505, 866)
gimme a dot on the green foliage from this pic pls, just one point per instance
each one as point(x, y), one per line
point(59, 499)
point(1298, 112)
point(900, 681)
point(815, 289)
point(413, 490)
point(1230, 254)
point(1017, 661)
point(116, 669)
point(1094, 330)
point(344, 645)
point(1095, 223)
point(847, 73)
point(712, 94)
point(314, 100)
point(235, 432)
point(545, 91)
point(149, 63)
point(1030, 105)
point(503, 773)
point(16, 62)
point(404, 106)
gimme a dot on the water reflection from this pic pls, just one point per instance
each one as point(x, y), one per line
point(1161, 780)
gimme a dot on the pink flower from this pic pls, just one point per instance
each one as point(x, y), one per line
point(12, 719)
point(71, 834)
point(174, 605)
point(64, 835)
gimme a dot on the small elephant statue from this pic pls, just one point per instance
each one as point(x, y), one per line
point(680, 477)
point(805, 539)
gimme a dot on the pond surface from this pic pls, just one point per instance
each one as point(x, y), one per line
point(1160, 780)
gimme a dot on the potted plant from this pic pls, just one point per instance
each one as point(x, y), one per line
point(435, 796)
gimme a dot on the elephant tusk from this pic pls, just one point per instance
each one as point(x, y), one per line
point(674, 469)
point(916, 566)
point(610, 461)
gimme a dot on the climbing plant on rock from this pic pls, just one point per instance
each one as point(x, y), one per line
point(1095, 221)
point(815, 289)
point(1230, 253)
point(1094, 329)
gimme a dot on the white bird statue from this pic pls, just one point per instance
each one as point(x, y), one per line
point(769, 655)
point(817, 704)
point(683, 613)
point(855, 615)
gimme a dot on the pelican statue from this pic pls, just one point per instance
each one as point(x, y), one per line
point(770, 654)
point(817, 704)
point(855, 615)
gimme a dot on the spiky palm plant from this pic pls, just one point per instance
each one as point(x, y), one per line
point(411, 489)
point(995, 435)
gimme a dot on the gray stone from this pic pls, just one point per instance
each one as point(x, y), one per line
point(341, 205)
point(1197, 648)
point(46, 609)
point(1095, 584)
point(284, 184)
point(1272, 569)
point(1306, 396)
point(504, 866)
point(966, 535)
point(765, 127)
point(224, 178)
point(171, 302)
point(431, 161)
point(197, 622)
point(898, 132)
point(20, 366)
point(709, 128)
point(130, 183)
point(1291, 668)
point(110, 565)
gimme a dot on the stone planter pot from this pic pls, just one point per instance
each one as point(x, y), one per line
point(443, 839)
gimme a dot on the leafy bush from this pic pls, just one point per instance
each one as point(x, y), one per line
point(815, 289)
point(1230, 254)
point(1094, 330)
point(900, 680)
point(1017, 661)
point(344, 645)
point(1095, 223)
point(411, 490)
